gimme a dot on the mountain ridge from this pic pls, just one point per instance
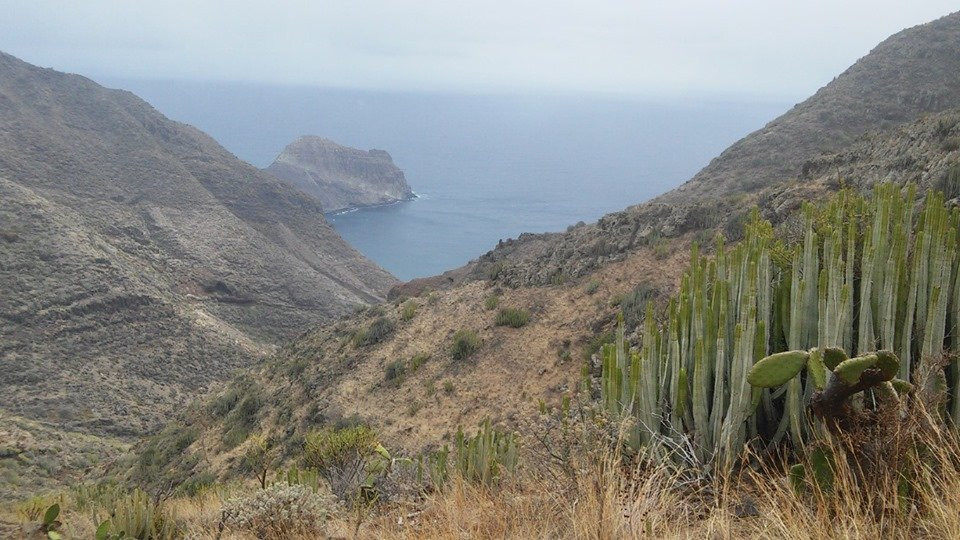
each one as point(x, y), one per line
point(913, 72)
point(141, 262)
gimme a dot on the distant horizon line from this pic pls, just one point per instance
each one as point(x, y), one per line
point(518, 93)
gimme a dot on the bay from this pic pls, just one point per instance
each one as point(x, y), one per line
point(485, 167)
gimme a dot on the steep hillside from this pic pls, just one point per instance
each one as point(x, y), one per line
point(341, 177)
point(410, 389)
point(140, 261)
point(406, 383)
point(912, 73)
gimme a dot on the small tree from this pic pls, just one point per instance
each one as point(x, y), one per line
point(257, 459)
point(345, 457)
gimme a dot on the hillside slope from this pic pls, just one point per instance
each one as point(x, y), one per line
point(409, 388)
point(910, 74)
point(341, 177)
point(140, 261)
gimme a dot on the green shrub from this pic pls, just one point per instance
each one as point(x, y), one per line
point(394, 372)
point(491, 302)
point(164, 458)
point(448, 387)
point(465, 344)
point(359, 338)
point(378, 331)
point(296, 368)
point(661, 249)
point(409, 310)
point(512, 317)
point(197, 484)
point(225, 402)
point(243, 417)
point(592, 287)
point(343, 457)
point(257, 459)
point(418, 360)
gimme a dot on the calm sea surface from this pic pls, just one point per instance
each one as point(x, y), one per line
point(485, 168)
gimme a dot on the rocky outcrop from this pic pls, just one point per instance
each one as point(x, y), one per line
point(341, 177)
point(140, 261)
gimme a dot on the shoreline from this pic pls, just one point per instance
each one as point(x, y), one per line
point(369, 206)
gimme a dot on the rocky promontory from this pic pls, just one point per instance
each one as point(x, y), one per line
point(340, 177)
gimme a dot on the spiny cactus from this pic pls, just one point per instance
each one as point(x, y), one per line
point(777, 369)
point(868, 275)
point(138, 516)
point(821, 466)
point(481, 458)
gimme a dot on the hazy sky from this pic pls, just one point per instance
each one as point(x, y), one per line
point(758, 48)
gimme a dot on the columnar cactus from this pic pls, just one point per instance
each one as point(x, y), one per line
point(483, 457)
point(868, 275)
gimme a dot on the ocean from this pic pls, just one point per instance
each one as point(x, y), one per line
point(484, 168)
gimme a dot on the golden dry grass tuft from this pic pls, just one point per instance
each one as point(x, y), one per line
point(606, 499)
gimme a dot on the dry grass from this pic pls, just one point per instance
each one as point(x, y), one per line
point(594, 494)
point(605, 499)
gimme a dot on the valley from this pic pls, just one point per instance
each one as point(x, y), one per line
point(189, 349)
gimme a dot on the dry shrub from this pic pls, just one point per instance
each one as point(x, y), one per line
point(280, 511)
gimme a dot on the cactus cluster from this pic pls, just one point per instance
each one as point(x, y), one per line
point(138, 516)
point(878, 273)
point(481, 459)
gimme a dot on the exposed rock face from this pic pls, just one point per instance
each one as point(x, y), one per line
point(140, 261)
point(341, 177)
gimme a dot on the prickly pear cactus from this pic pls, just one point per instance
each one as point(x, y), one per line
point(777, 369)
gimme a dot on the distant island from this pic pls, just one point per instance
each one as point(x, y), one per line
point(340, 177)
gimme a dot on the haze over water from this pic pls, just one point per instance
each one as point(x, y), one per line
point(486, 168)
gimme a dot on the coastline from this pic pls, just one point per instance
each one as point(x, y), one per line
point(351, 209)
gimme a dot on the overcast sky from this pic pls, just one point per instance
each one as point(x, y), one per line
point(757, 48)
